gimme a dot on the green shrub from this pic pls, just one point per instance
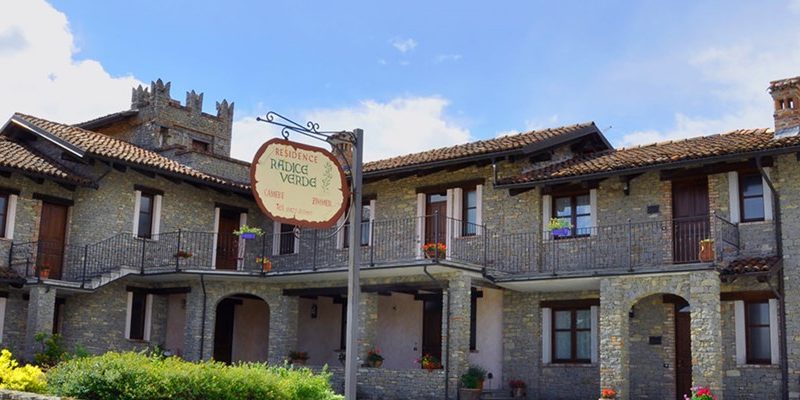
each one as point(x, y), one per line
point(27, 378)
point(136, 376)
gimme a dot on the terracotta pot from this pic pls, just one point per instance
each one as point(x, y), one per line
point(706, 251)
point(517, 392)
point(266, 267)
point(44, 274)
point(297, 362)
point(376, 364)
point(469, 394)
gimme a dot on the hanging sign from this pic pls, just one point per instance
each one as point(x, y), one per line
point(298, 184)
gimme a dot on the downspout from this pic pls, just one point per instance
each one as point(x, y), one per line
point(776, 212)
point(447, 342)
point(203, 317)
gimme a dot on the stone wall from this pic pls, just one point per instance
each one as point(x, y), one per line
point(652, 365)
point(385, 384)
point(15, 395)
point(745, 381)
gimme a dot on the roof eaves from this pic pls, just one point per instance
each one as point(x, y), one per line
point(586, 130)
point(623, 171)
point(78, 152)
point(440, 163)
point(106, 119)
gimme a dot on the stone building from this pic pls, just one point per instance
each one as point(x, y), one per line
point(569, 265)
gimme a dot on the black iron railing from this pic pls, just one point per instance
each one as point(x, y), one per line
point(630, 245)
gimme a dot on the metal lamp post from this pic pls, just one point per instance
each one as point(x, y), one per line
point(355, 139)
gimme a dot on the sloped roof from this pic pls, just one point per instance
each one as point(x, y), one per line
point(107, 119)
point(480, 147)
point(81, 141)
point(16, 156)
point(749, 265)
point(728, 144)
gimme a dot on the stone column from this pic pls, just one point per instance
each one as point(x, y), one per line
point(614, 350)
point(367, 323)
point(193, 330)
point(457, 299)
point(706, 322)
point(522, 341)
point(41, 308)
point(282, 325)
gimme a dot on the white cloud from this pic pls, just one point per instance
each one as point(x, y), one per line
point(404, 45)
point(41, 74)
point(401, 126)
point(449, 57)
point(734, 78)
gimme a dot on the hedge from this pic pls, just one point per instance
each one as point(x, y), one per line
point(136, 376)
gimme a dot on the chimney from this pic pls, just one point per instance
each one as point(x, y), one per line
point(344, 154)
point(786, 95)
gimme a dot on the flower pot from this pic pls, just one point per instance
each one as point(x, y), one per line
point(376, 364)
point(706, 251)
point(560, 232)
point(517, 392)
point(297, 361)
point(469, 394)
point(266, 267)
point(44, 274)
point(248, 235)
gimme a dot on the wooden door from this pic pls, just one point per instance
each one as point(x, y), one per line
point(690, 218)
point(683, 353)
point(52, 234)
point(436, 220)
point(432, 328)
point(227, 242)
point(223, 330)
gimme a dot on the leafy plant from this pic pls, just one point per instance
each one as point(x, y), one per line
point(700, 393)
point(249, 229)
point(429, 362)
point(26, 378)
point(434, 250)
point(557, 223)
point(374, 355)
point(474, 377)
point(139, 376)
point(53, 349)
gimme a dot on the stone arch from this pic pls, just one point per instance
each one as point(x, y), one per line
point(677, 285)
point(240, 328)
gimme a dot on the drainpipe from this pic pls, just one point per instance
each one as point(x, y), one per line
point(776, 211)
point(203, 317)
point(446, 291)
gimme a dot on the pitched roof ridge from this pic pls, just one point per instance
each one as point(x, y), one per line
point(693, 138)
point(122, 113)
point(481, 141)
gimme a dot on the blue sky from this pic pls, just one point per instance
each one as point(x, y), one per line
point(417, 74)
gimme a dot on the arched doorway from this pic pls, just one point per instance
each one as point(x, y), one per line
point(241, 329)
point(660, 347)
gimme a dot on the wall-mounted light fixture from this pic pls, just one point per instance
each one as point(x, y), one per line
point(313, 311)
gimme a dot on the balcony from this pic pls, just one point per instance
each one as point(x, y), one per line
point(629, 246)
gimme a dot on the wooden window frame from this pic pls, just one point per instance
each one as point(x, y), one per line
point(747, 325)
point(573, 335)
point(465, 224)
point(365, 227)
point(4, 214)
point(573, 198)
point(742, 177)
point(152, 197)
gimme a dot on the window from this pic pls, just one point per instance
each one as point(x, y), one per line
point(137, 326)
point(751, 195)
point(757, 332)
point(572, 335)
point(286, 239)
point(575, 210)
point(146, 206)
point(473, 319)
point(470, 212)
point(199, 145)
point(366, 218)
point(3, 213)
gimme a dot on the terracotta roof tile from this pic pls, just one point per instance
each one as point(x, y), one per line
point(108, 147)
point(16, 156)
point(503, 143)
point(664, 153)
point(750, 265)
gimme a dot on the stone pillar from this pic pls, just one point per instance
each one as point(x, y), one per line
point(706, 322)
point(614, 350)
point(522, 342)
point(41, 308)
point(193, 330)
point(282, 325)
point(367, 323)
point(457, 300)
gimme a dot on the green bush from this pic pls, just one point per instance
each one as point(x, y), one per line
point(27, 378)
point(136, 376)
